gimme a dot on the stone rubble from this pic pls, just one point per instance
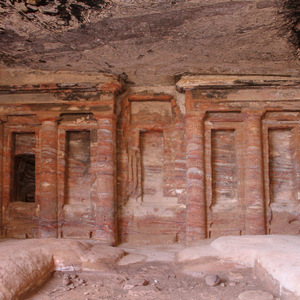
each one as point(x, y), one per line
point(212, 280)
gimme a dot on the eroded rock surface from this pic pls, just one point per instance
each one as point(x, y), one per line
point(152, 41)
point(26, 264)
point(274, 258)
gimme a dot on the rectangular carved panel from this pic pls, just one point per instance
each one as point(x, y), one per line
point(225, 214)
point(78, 167)
point(224, 168)
point(77, 158)
point(282, 166)
point(24, 143)
point(283, 190)
point(152, 159)
point(21, 219)
point(24, 167)
point(151, 170)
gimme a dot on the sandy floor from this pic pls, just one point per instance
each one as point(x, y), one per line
point(264, 266)
point(164, 279)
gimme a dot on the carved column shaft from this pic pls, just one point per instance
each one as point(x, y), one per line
point(48, 179)
point(106, 181)
point(196, 206)
point(254, 189)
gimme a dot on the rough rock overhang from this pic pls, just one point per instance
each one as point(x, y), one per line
point(152, 41)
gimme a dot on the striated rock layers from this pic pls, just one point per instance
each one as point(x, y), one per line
point(149, 166)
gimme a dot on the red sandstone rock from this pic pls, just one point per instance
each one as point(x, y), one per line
point(229, 166)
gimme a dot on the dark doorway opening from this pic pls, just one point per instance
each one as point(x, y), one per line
point(24, 178)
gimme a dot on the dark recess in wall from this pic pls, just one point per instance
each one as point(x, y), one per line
point(24, 178)
point(291, 11)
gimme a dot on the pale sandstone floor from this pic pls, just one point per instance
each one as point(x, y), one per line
point(89, 270)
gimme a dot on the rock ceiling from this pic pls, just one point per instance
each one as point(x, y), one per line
point(152, 41)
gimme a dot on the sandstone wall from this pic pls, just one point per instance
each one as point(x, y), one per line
point(151, 168)
point(142, 168)
point(242, 156)
point(71, 138)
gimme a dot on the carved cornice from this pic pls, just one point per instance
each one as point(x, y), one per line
point(62, 88)
point(234, 81)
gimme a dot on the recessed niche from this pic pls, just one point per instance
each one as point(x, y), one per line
point(282, 172)
point(24, 178)
point(152, 159)
point(23, 189)
point(78, 155)
point(224, 167)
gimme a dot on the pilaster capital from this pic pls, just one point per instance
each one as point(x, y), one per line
point(3, 119)
point(254, 113)
point(197, 115)
point(47, 116)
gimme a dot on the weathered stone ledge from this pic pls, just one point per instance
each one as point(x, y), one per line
point(25, 264)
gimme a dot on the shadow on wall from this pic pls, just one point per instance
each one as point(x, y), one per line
point(291, 12)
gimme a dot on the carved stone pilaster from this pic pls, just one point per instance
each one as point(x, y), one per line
point(48, 178)
point(106, 179)
point(196, 203)
point(254, 179)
